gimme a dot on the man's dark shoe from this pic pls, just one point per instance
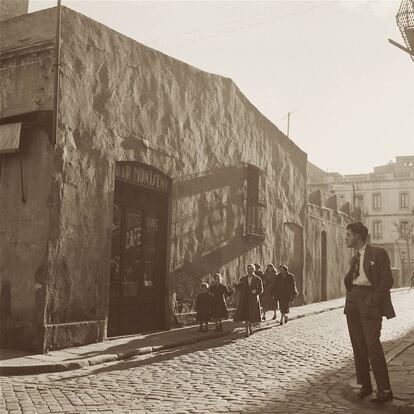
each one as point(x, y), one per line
point(364, 391)
point(382, 396)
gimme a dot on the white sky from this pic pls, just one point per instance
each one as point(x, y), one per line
point(350, 92)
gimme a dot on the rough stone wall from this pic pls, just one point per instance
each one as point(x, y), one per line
point(13, 8)
point(27, 63)
point(26, 91)
point(24, 234)
point(123, 101)
point(338, 256)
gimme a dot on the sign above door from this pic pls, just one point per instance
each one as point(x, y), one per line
point(142, 175)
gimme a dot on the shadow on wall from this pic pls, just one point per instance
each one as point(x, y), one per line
point(209, 180)
point(186, 280)
point(208, 229)
point(294, 256)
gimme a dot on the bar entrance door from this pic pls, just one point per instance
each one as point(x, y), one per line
point(138, 260)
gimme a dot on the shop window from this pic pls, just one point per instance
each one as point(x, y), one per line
point(403, 200)
point(376, 201)
point(377, 230)
point(255, 202)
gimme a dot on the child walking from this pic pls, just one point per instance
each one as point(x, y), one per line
point(203, 307)
point(219, 292)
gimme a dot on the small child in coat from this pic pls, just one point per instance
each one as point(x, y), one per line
point(203, 307)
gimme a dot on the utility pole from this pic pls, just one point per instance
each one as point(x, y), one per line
point(288, 121)
point(288, 124)
point(57, 72)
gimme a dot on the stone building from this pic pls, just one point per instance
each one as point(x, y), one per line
point(326, 255)
point(386, 200)
point(153, 176)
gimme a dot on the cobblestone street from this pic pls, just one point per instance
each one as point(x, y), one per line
point(301, 367)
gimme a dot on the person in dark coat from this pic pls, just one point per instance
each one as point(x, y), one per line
point(258, 271)
point(251, 287)
point(267, 299)
point(285, 291)
point(203, 307)
point(219, 292)
point(368, 299)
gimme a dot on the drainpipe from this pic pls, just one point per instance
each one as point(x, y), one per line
point(57, 72)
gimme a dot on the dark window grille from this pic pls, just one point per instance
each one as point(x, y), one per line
point(255, 203)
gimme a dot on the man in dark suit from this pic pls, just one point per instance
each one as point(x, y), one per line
point(368, 299)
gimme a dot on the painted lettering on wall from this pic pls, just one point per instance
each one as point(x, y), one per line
point(141, 175)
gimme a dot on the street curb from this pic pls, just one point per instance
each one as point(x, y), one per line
point(101, 359)
point(105, 358)
point(394, 406)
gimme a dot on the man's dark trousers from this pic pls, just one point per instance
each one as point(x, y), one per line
point(364, 325)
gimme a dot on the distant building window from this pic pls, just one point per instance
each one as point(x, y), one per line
point(255, 201)
point(376, 201)
point(408, 163)
point(377, 229)
point(403, 200)
point(359, 200)
point(404, 229)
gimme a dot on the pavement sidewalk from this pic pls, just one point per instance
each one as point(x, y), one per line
point(22, 363)
point(400, 360)
point(401, 369)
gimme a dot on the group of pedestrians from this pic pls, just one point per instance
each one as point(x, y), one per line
point(259, 292)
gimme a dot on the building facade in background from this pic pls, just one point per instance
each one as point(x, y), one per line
point(386, 200)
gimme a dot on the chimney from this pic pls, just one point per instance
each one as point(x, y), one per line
point(13, 8)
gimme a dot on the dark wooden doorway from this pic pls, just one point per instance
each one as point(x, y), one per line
point(138, 260)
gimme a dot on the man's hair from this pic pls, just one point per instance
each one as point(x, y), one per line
point(283, 267)
point(204, 285)
point(360, 229)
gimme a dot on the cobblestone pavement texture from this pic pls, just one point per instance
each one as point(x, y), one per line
point(296, 368)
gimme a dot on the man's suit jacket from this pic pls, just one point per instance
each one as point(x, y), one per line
point(378, 271)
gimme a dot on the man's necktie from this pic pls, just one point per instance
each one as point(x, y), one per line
point(355, 269)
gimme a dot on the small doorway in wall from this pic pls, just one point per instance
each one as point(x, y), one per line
point(137, 291)
point(324, 266)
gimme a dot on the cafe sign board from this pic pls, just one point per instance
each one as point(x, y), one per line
point(142, 175)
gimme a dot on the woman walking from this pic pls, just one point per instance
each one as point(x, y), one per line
point(267, 298)
point(251, 287)
point(285, 290)
point(218, 293)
